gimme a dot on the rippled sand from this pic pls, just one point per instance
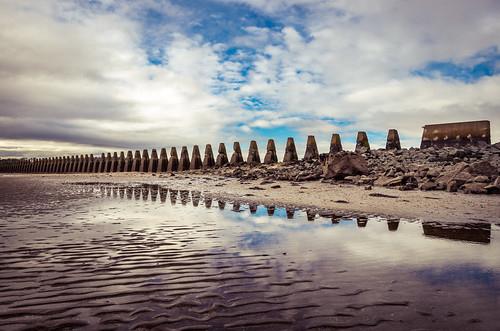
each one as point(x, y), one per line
point(116, 257)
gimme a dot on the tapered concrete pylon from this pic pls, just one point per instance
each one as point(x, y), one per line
point(173, 163)
point(196, 162)
point(393, 140)
point(144, 161)
point(136, 163)
point(290, 151)
point(153, 162)
point(271, 156)
point(102, 163)
point(163, 161)
point(121, 162)
point(97, 164)
point(362, 144)
point(128, 162)
point(253, 153)
point(85, 163)
point(222, 159)
point(108, 163)
point(208, 160)
point(237, 157)
point(311, 152)
point(81, 163)
point(114, 162)
point(184, 163)
point(76, 165)
point(90, 165)
point(335, 144)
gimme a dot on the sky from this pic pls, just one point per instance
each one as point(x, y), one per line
point(106, 75)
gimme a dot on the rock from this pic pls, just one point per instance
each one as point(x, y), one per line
point(428, 186)
point(474, 188)
point(493, 188)
point(481, 179)
point(483, 168)
point(345, 164)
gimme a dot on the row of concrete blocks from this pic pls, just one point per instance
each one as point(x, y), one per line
point(144, 163)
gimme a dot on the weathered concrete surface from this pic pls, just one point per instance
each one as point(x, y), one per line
point(362, 144)
point(271, 155)
point(129, 160)
point(335, 144)
point(163, 161)
point(81, 164)
point(222, 158)
point(456, 134)
point(184, 162)
point(290, 151)
point(208, 159)
point(136, 163)
point(311, 152)
point(153, 162)
point(173, 163)
point(144, 161)
point(114, 162)
point(237, 157)
point(121, 162)
point(196, 162)
point(107, 162)
point(393, 140)
point(253, 153)
point(90, 165)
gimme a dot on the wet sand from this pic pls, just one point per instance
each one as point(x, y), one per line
point(345, 199)
point(121, 257)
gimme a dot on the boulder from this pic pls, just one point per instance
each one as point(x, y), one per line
point(345, 164)
point(474, 188)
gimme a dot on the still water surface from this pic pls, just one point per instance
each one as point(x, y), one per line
point(103, 257)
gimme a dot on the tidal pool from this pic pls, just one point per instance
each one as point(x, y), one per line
point(107, 257)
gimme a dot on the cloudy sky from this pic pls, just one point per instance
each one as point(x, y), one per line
point(105, 75)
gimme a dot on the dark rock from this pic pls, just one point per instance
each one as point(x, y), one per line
point(474, 188)
point(345, 164)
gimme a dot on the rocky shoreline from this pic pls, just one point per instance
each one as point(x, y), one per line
point(469, 169)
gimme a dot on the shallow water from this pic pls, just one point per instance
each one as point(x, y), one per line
point(103, 257)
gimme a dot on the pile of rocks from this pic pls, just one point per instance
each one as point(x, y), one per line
point(468, 169)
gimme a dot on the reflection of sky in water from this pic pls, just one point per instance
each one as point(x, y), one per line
point(434, 273)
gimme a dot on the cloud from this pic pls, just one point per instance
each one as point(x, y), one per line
point(159, 73)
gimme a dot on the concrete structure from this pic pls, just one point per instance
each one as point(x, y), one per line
point(290, 151)
point(108, 163)
point(456, 134)
point(335, 144)
point(271, 156)
point(163, 161)
point(311, 152)
point(173, 163)
point(114, 162)
point(136, 163)
point(90, 165)
point(253, 153)
point(184, 163)
point(121, 162)
point(362, 144)
point(153, 162)
point(144, 161)
point(128, 162)
point(196, 162)
point(237, 157)
point(222, 158)
point(208, 159)
point(393, 140)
